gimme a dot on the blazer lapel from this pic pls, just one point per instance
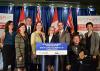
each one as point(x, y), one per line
point(92, 42)
point(62, 34)
point(52, 39)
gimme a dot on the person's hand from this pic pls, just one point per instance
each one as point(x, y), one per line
point(1, 45)
point(68, 67)
point(34, 56)
point(43, 34)
point(81, 55)
point(94, 57)
point(20, 58)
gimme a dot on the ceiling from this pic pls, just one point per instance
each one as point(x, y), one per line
point(95, 3)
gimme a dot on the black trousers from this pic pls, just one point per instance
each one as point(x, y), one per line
point(98, 70)
point(8, 57)
point(28, 68)
point(62, 63)
point(49, 61)
point(35, 67)
point(84, 67)
point(93, 65)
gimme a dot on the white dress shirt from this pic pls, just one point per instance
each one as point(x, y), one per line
point(50, 38)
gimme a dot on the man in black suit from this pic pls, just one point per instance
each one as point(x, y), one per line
point(28, 22)
point(29, 29)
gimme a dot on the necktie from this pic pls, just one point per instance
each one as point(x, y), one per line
point(28, 30)
point(60, 33)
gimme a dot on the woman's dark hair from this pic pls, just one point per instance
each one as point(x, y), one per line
point(21, 24)
point(36, 25)
point(80, 37)
point(75, 34)
point(7, 25)
point(89, 23)
point(72, 36)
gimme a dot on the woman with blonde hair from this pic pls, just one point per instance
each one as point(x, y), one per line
point(51, 38)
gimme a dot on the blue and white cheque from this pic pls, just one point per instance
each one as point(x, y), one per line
point(51, 48)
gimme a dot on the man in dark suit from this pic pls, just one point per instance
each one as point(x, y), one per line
point(28, 22)
point(29, 29)
point(63, 37)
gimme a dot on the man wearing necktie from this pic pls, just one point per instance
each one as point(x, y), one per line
point(64, 37)
point(28, 22)
point(29, 29)
point(29, 25)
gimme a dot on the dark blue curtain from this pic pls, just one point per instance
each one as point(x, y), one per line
point(47, 13)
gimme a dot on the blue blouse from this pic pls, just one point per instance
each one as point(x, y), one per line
point(9, 38)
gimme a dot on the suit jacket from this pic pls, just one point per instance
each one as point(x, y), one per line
point(65, 37)
point(63, 60)
point(94, 49)
point(22, 50)
point(29, 37)
point(73, 53)
point(54, 39)
point(50, 60)
point(35, 37)
point(29, 34)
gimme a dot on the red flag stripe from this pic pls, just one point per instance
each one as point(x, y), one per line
point(70, 21)
point(55, 20)
point(22, 15)
point(55, 16)
point(38, 17)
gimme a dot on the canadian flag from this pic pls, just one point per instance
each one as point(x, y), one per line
point(55, 20)
point(38, 16)
point(22, 16)
point(70, 21)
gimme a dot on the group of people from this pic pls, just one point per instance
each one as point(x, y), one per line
point(19, 48)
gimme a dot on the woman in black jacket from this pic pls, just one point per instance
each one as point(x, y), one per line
point(77, 55)
point(51, 38)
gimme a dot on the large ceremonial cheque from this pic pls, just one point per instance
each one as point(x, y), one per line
point(51, 49)
point(4, 17)
point(82, 20)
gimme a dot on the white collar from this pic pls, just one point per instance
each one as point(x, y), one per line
point(61, 30)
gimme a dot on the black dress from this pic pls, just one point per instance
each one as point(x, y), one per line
point(9, 51)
